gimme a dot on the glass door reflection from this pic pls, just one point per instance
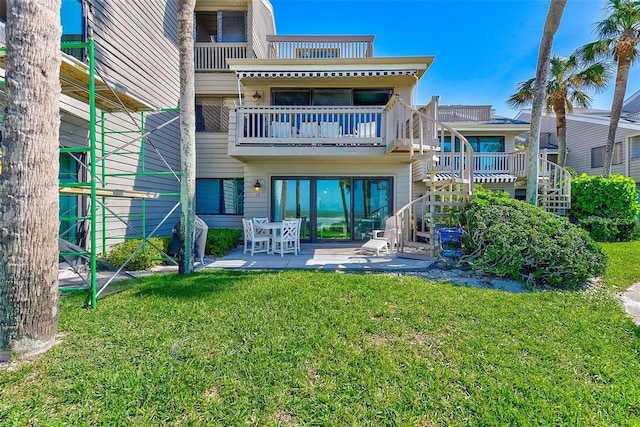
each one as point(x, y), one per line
point(333, 208)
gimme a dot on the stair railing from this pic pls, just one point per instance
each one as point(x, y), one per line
point(422, 134)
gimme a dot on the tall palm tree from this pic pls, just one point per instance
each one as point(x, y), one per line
point(618, 33)
point(187, 135)
point(29, 180)
point(568, 81)
point(551, 24)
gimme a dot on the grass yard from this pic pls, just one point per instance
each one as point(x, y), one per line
point(624, 265)
point(309, 348)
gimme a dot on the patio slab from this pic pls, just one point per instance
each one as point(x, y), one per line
point(329, 257)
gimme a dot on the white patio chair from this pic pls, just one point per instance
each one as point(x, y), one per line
point(367, 130)
point(261, 242)
point(281, 130)
point(389, 236)
point(287, 241)
point(260, 232)
point(330, 129)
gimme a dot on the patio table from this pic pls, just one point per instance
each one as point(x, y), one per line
point(272, 228)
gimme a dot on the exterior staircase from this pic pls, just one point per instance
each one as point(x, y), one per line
point(448, 185)
point(448, 180)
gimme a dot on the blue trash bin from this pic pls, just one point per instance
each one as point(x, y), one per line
point(451, 242)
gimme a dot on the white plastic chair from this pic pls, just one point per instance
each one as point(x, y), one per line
point(262, 242)
point(330, 129)
point(260, 231)
point(389, 234)
point(287, 241)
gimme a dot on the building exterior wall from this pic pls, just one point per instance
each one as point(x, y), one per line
point(585, 133)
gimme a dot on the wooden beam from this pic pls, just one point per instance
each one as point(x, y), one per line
point(104, 192)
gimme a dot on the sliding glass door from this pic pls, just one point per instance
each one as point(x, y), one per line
point(333, 208)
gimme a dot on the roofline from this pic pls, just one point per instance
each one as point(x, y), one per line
point(592, 119)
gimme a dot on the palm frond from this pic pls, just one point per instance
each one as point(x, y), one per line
point(523, 95)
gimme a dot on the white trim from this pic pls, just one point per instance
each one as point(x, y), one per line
point(323, 74)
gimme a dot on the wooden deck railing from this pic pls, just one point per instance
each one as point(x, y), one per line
point(213, 56)
point(273, 125)
point(464, 113)
point(315, 47)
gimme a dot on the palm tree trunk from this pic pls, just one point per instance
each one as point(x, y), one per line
point(29, 180)
point(554, 15)
point(622, 75)
point(561, 129)
point(187, 135)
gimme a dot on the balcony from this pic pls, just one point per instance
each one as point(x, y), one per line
point(212, 57)
point(318, 47)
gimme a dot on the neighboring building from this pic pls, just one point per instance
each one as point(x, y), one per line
point(587, 137)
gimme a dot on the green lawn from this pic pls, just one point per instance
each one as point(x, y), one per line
point(309, 348)
point(624, 265)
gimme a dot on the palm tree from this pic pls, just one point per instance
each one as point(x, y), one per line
point(551, 24)
point(29, 180)
point(618, 33)
point(567, 83)
point(187, 135)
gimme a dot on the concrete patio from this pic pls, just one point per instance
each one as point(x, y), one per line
point(327, 256)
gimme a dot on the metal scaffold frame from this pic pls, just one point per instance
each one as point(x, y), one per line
point(95, 187)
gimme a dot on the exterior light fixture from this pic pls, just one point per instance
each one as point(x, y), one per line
point(257, 186)
point(257, 97)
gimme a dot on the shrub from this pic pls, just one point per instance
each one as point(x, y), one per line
point(606, 207)
point(610, 229)
point(510, 238)
point(221, 241)
point(146, 258)
point(613, 197)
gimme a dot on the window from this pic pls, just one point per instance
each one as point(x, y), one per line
point(225, 26)
point(635, 147)
point(219, 196)
point(480, 144)
point(73, 26)
point(330, 96)
point(212, 114)
point(598, 154)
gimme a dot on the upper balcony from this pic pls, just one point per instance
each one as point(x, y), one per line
point(319, 47)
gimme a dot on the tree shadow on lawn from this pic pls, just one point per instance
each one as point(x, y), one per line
point(193, 286)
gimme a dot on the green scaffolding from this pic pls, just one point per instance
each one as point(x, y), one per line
point(95, 188)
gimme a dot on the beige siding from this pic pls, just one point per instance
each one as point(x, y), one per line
point(261, 24)
point(212, 160)
point(225, 83)
point(129, 38)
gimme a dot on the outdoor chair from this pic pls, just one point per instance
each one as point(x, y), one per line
point(281, 130)
point(367, 130)
point(287, 241)
point(383, 239)
point(330, 129)
point(260, 231)
point(258, 243)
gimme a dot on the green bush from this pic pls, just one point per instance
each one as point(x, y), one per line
point(606, 207)
point(221, 241)
point(613, 197)
point(510, 238)
point(611, 229)
point(146, 258)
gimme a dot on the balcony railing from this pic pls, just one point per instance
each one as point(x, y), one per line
point(464, 113)
point(213, 56)
point(313, 47)
point(275, 125)
point(482, 162)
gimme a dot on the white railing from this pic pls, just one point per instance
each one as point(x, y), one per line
point(415, 131)
point(315, 47)
point(554, 186)
point(520, 166)
point(482, 162)
point(213, 56)
point(464, 113)
point(272, 125)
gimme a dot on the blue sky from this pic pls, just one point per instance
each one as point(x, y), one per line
point(482, 48)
